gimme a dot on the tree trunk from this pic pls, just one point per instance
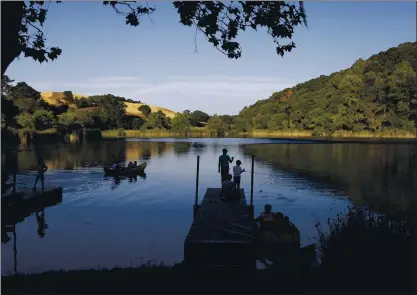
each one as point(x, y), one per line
point(11, 20)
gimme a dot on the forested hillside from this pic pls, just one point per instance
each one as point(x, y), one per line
point(373, 95)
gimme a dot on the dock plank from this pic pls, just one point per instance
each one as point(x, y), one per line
point(221, 233)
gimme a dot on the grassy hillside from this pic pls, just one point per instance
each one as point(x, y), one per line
point(56, 98)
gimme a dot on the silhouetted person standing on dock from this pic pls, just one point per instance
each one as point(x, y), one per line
point(224, 161)
point(237, 171)
point(41, 169)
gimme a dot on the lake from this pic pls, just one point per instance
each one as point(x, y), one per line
point(108, 222)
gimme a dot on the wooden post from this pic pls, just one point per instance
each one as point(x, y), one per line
point(251, 181)
point(14, 183)
point(252, 211)
point(196, 186)
point(15, 248)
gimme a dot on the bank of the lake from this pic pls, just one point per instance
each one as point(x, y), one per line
point(12, 137)
point(297, 134)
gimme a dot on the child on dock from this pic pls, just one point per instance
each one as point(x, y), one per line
point(41, 169)
point(237, 171)
point(223, 166)
point(228, 189)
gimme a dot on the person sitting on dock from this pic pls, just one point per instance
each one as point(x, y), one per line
point(135, 164)
point(223, 166)
point(130, 165)
point(237, 171)
point(228, 189)
point(41, 169)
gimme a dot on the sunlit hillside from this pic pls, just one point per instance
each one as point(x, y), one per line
point(55, 98)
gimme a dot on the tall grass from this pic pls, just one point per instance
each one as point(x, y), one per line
point(204, 132)
point(366, 250)
point(278, 133)
point(155, 133)
point(49, 135)
point(335, 134)
point(382, 134)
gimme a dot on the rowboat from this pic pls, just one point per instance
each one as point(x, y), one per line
point(125, 171)
point(282, 245)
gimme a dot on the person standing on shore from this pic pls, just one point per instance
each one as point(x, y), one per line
point(223, 166)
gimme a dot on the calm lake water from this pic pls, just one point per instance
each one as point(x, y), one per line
point(105, 222)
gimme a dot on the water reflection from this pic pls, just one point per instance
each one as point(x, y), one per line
point(130, 179)
point(109, 217)
point(13, 214)
point(379, 175)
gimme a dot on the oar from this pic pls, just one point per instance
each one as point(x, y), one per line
point(239, 226)
point(238, 234)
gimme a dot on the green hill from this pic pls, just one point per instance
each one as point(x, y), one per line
point(374, 95)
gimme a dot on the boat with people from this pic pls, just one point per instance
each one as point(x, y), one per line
point(125, 171)
point(278, 240)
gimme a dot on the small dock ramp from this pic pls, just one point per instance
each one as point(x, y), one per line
point(221, 234)
point(28, 197)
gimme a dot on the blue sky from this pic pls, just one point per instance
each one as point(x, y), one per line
point(156, 63)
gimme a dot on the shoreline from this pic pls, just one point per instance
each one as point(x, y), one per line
point(296, 139)
point(17, 137)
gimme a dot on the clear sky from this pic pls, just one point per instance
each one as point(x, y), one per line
point(156, 63)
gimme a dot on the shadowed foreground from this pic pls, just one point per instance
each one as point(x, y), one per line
point(363, 251)
point(160, 279)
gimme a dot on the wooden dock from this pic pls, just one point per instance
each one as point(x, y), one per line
point(11, 215)
point(221, 234)
point(32, 198)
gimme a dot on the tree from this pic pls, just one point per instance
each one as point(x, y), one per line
point(83, 102)
point(241, 124)
point(215, 123)
point(197, 117)
point(25, 120)
point(137, 123)
point(43, 119)
point(158, 120)
point(6, 85)
point(112, 110)
point(85, 118)
point(25, 97)
point(219, 22)
point(67, 118)
point(181, 122)
point(145, 109)
point(68, 97)
point(22, 89)
point(8, 109)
